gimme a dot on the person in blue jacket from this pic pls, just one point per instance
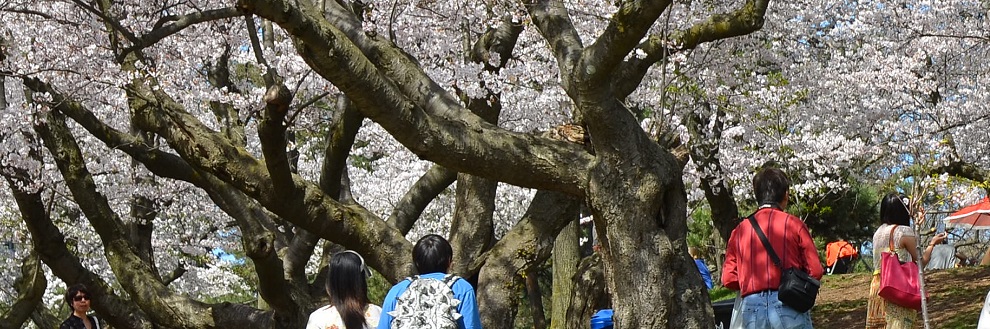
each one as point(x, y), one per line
point(702, 267)
point(432, 256)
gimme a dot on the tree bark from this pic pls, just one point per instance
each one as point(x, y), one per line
point(535, 296)
point(472, 231)
point(640, 230)
point(30, 288)
point(43, 318)
point(50, 244)
point(136, 276)
point(347, 224)
point(566, 256)
point(704, 151)
point(527, 245)
point(590, 292)
point(414, 201)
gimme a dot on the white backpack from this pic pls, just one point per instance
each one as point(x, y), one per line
point(427, 303)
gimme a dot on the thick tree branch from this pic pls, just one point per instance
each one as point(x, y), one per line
point(554, 23)
point(162, 163)
point(51, 246)
point(338, 148)
point(590, 293)
point(704, 151)
point(964, 170)
point(566, 256)
point(140, 230)
point(391, 90)
point(136, 276)
point(527, 245)
point(30, 287)
point(747, 19)
point(259, 236)
point(272, 132)
point(472, 231)
point(175, 23)
point(628, 25)
point(43, 318)
point(500, 40)
point(414, 202)
point(350, 225)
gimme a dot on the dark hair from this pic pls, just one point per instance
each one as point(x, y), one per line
point(770, 186)
point(72, 291)
point(432, 253)
point(347, 286)
point(893, 210)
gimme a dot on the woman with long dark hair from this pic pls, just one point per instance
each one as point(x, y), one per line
point(347, 286)
point(895, 230)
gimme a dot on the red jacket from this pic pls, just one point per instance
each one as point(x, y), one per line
point(748, 267)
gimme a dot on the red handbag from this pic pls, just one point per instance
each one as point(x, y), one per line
point(899, 281)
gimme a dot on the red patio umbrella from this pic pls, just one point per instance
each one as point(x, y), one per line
point(976, 217)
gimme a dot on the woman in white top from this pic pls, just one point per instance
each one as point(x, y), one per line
point(896, 229)
point(347, 286)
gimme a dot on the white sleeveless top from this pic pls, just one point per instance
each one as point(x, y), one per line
point(327, 318)
point(881, 242)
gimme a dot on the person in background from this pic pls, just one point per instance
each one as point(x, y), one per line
point(702, 267)
point(347, 286)
point(748, 267)
point(78, 298)
point(896, 227)
point(407, 304)
point(943, 256)
point(839, 255)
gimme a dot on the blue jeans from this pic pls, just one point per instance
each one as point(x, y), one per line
point(763, 310)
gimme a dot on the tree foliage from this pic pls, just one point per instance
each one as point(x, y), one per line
point(142, 142)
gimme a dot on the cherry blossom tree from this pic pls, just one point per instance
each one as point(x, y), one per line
point(141, 138)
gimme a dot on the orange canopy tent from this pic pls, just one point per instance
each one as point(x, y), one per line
point(975, 217)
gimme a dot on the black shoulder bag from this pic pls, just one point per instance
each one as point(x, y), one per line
point(797, 290)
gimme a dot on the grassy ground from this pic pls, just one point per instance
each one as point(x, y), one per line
point(956, 297)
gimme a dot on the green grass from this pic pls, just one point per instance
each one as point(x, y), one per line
point(721, 293)
point(964, 320)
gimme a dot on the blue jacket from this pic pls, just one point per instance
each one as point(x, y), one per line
point(468, 308)
point(705, 274)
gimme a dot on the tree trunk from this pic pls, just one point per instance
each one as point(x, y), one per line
point(30, 287)
point(535, 296)
point(639, 209)
point(589, 293)
point(472, 231)
point(566, 255)
point(44, 318)
point(526, 246)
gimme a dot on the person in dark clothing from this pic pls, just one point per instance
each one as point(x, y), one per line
point(78, 298)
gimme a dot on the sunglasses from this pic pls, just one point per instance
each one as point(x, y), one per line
point(80, 298)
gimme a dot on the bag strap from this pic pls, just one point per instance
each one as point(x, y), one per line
point(766, 244)
point(449, 280)
point(891, 246)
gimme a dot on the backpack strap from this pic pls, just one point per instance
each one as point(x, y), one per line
point(449, 280)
